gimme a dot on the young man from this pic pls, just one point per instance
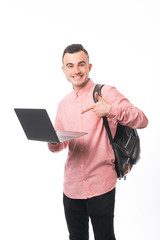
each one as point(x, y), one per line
point(90, 177)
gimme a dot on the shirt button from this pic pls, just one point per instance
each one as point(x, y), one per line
point(81, 165)
point(79, 104)
point(84, 181)
point(79, 119)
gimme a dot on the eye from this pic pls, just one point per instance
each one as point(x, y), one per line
point(82, 64)
point(69, 66)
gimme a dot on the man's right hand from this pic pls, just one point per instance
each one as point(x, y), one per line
point(54, 143)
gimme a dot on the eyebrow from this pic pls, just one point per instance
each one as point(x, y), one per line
point(78, 63)
point(69, 64)
point(82, 62)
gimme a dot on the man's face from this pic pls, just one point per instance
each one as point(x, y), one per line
point(76, 68)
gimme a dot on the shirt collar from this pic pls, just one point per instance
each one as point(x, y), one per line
point(85, 89)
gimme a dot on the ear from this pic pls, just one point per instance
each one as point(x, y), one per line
point(63, 69)
point(90, 67)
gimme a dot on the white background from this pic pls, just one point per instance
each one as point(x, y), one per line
point(123, 41)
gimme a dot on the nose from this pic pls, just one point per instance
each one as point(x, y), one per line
point(76, 70)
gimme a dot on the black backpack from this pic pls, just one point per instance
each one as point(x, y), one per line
point(126, 143)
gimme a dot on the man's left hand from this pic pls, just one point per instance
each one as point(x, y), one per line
point(101, 108)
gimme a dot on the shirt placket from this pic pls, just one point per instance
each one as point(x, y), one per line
point(82, 147)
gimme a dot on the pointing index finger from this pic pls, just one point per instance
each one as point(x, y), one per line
point(86, 110)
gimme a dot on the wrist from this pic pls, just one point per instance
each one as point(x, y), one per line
point(109, 110)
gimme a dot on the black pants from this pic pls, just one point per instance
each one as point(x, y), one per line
point(100, 209)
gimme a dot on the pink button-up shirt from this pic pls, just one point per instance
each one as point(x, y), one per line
point(89, 168)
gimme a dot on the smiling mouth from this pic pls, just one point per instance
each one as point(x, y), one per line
point(78, 77)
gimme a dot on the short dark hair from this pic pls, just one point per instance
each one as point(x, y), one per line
point(73, 48)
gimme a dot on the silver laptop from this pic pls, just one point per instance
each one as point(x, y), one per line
point(37, 126)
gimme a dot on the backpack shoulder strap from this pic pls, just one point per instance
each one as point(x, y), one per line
point(97, 89)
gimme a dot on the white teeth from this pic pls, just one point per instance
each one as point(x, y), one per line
point(78, 77)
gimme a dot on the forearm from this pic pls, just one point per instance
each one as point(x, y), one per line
point(128, 116)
